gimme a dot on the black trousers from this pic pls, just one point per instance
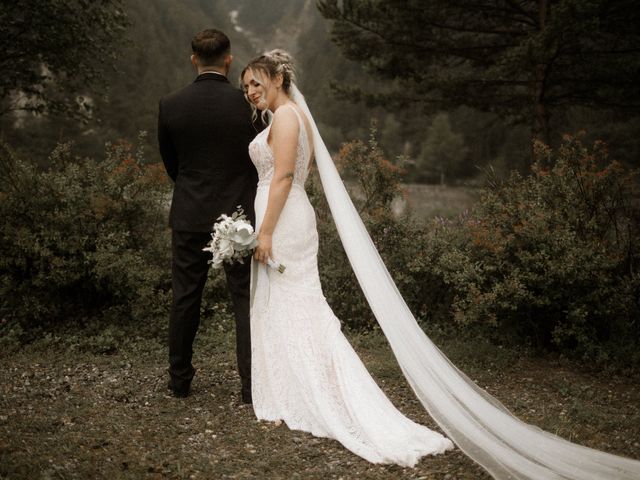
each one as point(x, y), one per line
point(189, 275)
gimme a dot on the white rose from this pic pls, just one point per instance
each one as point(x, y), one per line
point(243, 236)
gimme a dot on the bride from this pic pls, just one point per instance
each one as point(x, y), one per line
point(304, 371)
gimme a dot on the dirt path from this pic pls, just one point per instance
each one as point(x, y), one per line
point(67, 414)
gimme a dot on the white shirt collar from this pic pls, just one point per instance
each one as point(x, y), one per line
point(213, 71)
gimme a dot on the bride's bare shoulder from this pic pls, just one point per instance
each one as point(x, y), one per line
point(285, 112)
point(285, 121)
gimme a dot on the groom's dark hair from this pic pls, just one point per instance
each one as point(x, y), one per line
point(211, 46)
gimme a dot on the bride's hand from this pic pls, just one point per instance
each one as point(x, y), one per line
point(263, 250)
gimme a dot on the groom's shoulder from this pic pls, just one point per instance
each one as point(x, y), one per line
point(196, 89)
point(177, 95)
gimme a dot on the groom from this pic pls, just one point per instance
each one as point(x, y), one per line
point(204, 130)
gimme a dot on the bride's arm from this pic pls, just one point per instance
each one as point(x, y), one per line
point(284, 142)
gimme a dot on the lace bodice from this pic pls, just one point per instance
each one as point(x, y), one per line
point(262, 154)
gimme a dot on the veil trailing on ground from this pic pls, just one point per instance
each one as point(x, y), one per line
point(478, 423)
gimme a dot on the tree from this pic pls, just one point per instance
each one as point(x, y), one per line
point(522, 59)
point(51, 50)
point(443, 151)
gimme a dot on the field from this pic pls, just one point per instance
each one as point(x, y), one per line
point(429, 201)
point(68, 412)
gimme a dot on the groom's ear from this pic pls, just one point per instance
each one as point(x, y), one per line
point(227, 61)
point(194, 60)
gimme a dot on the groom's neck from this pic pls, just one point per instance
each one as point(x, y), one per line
point(219, 70)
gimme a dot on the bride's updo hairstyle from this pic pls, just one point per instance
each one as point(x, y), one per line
point(269, 65)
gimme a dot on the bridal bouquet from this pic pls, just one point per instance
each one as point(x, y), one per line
point(233, 239)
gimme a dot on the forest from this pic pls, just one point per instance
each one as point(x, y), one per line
point(449, 140)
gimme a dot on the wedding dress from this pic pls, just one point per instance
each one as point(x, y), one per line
point(304, 371)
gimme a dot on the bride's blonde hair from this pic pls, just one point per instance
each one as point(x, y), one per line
point(271, 64)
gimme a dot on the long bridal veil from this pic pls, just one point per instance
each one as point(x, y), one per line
point(478, 423)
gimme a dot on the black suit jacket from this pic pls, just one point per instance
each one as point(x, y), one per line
point(204, 130)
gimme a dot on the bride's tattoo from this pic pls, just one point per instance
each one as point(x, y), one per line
point(289, 175)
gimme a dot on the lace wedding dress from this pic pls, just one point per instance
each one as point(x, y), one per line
point(304, 371)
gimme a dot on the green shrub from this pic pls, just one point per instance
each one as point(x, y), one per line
point(552, 257)
point(83, 239)
point(549, 259)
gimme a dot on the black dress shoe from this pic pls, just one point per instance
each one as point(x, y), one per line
point(246, 397)
point(177, 392)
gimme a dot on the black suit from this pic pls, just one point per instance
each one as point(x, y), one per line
point(204, 131)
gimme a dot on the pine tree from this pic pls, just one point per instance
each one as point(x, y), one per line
point(443, 151)
point(52, 50)
point(522, 59)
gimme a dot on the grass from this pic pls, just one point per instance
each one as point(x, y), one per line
point(429, 201)
point(67, 412)
point(426, 201)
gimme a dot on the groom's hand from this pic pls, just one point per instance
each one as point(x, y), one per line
point(263, 250)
